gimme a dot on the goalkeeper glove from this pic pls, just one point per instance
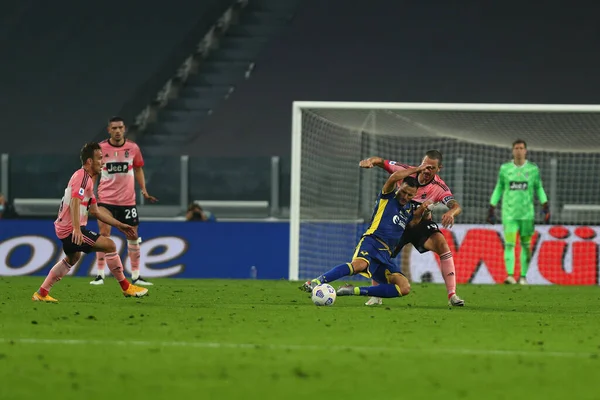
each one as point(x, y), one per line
point(491, 215)
point(546, 212)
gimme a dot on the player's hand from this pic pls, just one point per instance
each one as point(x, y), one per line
point(491, 218)
point(448, 220)
point(367, 163)
point(425, 208)
point(128, 230)
point(424, 167)
point(77, 237)
point(147, 196)
point(546, 212)
point(427, 205)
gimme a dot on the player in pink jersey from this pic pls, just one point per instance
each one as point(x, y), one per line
point(70, 228)
point(426, 236)
point(123, 165)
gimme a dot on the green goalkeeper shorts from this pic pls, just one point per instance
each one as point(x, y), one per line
point(525, 227)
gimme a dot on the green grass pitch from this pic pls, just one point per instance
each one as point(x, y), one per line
point(221, 339)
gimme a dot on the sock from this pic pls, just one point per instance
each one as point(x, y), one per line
point(525, 257)
point(448, 272)
point(133, 250)
point(56, 273)
point(509, 258)
point(336, 273)
point(386, 290)
point(116, 268)
point(101, 263)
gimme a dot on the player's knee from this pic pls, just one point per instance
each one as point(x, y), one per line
point(510, 239)
point(72, 259)
point(110, 246)
point(402, 284)
point(403, 288)
point(359, 265)
point(438, 243)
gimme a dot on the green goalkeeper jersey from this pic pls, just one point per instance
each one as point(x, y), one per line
point(516, 186)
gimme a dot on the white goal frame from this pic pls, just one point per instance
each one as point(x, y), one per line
point(296, 164)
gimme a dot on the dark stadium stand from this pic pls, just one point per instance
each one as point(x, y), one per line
point(392, 50)
point(219, 73)
point(69, 65)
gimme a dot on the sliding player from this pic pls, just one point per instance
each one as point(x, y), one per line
point(426, 236)
point(393, 212)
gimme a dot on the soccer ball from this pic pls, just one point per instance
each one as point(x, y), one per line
point(323, 295)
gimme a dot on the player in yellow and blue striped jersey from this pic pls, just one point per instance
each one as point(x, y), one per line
point(372, 258)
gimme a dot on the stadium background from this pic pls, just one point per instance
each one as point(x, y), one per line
point(218, 131)
point(207, 89)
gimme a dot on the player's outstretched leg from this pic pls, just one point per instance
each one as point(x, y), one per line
point(332, 275)
point(57, 272)
point(398, 286)
point(374, 301)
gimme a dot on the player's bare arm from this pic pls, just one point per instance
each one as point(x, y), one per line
point(397, 176)
point(454, 209)
point(74, 205)
point(420, 212)
point(138, 172)
point(105, 217)
point(372, 162)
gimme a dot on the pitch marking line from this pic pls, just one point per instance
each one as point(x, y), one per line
point(250, 346)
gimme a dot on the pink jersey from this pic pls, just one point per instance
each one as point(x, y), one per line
point(436, 190)
point(81, 186)
point(117, 182)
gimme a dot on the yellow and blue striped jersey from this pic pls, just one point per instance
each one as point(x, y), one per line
point(389, 219)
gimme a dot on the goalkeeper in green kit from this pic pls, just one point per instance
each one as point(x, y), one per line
point(518, 180)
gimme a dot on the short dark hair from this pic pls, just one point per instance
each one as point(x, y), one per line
point(194, 206)
point(434, 155)
point(116, 119)
point(87, 151)
point(411, 182)
point(519, 141)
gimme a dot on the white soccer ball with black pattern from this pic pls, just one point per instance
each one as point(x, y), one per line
point(323, 295)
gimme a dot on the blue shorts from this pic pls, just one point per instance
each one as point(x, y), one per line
point(379, 257)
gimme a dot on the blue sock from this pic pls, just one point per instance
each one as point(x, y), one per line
point(386, 290)
point(336, 273)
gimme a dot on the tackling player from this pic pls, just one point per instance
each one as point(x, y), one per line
point(70, 228)
point(123, 165)
point(426, 236)
point(393, 212)
point(518, 181)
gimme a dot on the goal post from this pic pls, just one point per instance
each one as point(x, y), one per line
point(332, 198)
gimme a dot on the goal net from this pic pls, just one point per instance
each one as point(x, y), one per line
point(332, 199)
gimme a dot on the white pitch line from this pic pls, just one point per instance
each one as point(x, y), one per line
point(299, 347)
